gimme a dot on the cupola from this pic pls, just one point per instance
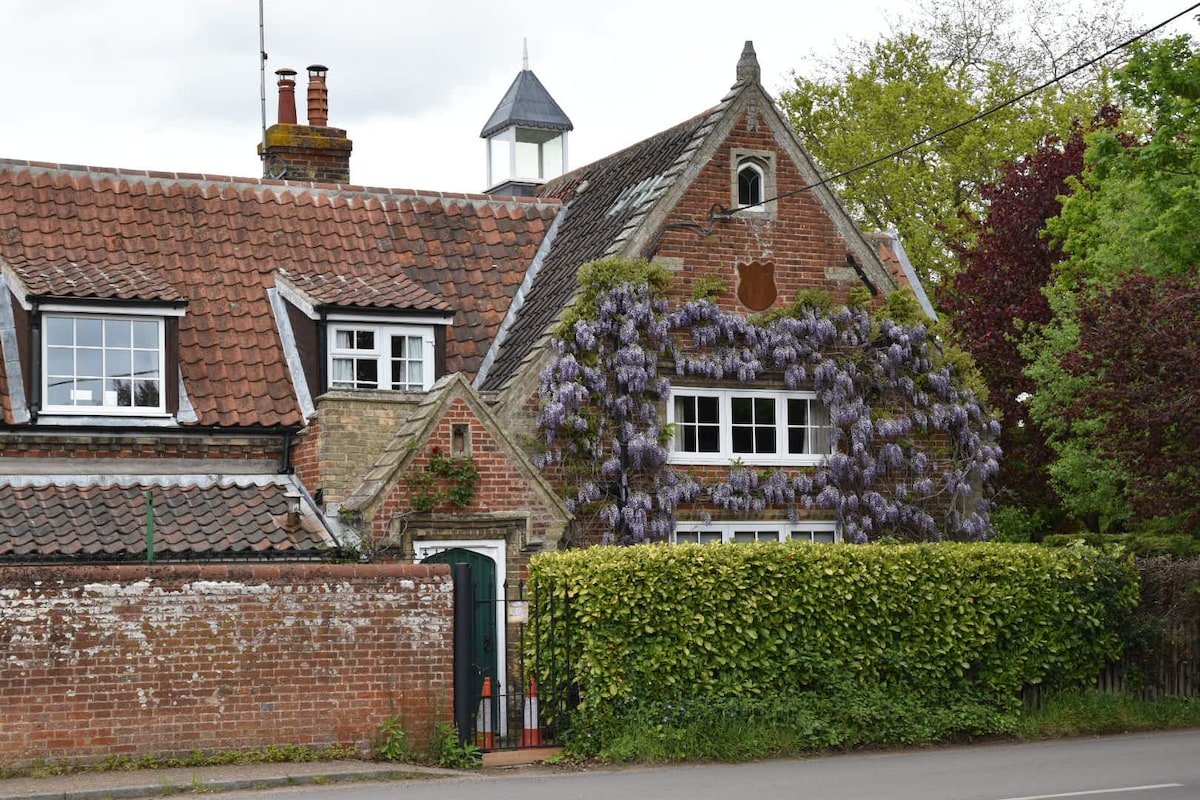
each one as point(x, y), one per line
point(526, 138)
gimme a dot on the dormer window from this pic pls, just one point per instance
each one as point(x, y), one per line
point(753, 181)
point(107, 365)
point(750, 185)
point(394, 357)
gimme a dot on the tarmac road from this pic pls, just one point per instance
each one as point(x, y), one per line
point(1158, 766)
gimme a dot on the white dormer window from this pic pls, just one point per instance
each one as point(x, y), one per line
point(103, 364)
point(750, 186)
point(394, 357)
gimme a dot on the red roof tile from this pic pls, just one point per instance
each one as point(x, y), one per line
point(110, 521)
point(216, 242)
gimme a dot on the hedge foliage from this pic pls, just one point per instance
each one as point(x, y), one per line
point(654, 623)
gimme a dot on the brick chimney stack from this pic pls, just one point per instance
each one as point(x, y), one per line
point(312, 152)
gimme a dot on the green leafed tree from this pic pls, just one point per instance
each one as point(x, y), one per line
point(931, 72)
point(1129, 221)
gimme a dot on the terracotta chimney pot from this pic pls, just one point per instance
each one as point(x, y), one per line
point(287, 96)
point(318, 96)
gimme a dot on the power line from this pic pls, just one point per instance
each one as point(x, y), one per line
point(986, 113)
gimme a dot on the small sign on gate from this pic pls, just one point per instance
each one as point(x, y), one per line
point(518, 611)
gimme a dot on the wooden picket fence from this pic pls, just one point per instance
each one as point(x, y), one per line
point(1171, 668)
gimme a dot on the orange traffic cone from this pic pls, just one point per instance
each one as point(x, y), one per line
point(485, 733)
point(532, 735)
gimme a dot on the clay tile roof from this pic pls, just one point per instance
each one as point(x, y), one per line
point(605, 200)
point(363, 291)
point(109, 281)
point(216, 243)
point(108, 522)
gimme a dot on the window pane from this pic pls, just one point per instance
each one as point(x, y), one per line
point(89, 332)
point(764, 440)
point(823, 537)
point(741, 410)
point(416, 374)
point(708, 410)
point(685, 409)
point(60, 361)
point(89, 362)
point(118, 393)
point(145, 334)
point(764, 411)
point(342, 374)
point(146, 394)
point(60, 331)
point(742, 440)
point(708, 439)
point(119, 363)
point(687, 537)
point(709, 536)
point(58, 391)
point(364, 340)
point(343, 340)
point(366, 373)
point(88, 392)
point(117, 333)
point(145, 363)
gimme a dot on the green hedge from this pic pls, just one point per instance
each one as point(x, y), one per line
point(652, 624)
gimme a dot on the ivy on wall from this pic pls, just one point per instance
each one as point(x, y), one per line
point(913, 444)
point(445, 479)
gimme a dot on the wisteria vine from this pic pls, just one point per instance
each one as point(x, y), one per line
point(913, 449)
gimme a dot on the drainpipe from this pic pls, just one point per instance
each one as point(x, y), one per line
point(323, 353)
point(286, 468)
point(35, 361)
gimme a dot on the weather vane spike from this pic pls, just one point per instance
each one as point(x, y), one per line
point(525, 53)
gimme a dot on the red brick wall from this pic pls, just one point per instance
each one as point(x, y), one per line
point(801, 239)
point(502, 486)
point(163, 660)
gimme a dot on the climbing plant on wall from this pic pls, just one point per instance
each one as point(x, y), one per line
point(913, 447)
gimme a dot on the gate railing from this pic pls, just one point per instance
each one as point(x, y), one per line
point(532, 704)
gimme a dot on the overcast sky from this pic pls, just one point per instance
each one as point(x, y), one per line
point(174, 84)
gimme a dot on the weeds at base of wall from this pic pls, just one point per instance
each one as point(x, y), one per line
point(274, 754)
point(391, 741)
point(448, 752)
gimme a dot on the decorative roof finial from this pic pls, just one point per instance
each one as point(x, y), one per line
point(747, 66)
point(525, 54)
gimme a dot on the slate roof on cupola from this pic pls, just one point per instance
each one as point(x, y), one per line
point(526, 103)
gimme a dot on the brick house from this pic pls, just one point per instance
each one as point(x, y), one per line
point(225, 368)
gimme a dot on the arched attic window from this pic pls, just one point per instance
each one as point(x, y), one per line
point(751, 181)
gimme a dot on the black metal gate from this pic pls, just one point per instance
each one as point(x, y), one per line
point(530, 701)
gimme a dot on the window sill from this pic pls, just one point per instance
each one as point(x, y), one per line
point(749, 460)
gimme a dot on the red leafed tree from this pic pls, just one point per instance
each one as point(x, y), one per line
point(1138, 347)
point(998, 291)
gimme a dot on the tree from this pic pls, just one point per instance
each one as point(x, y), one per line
point(1142, 381)
point(933, 72)
point(1131, 214)
point(913, 452)
point(997, 294)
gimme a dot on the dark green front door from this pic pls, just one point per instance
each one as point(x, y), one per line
point(483, 638)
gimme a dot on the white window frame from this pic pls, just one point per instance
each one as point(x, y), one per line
point(103, 408)
point(725, 454)
point(381, 353)
point(735, 531)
